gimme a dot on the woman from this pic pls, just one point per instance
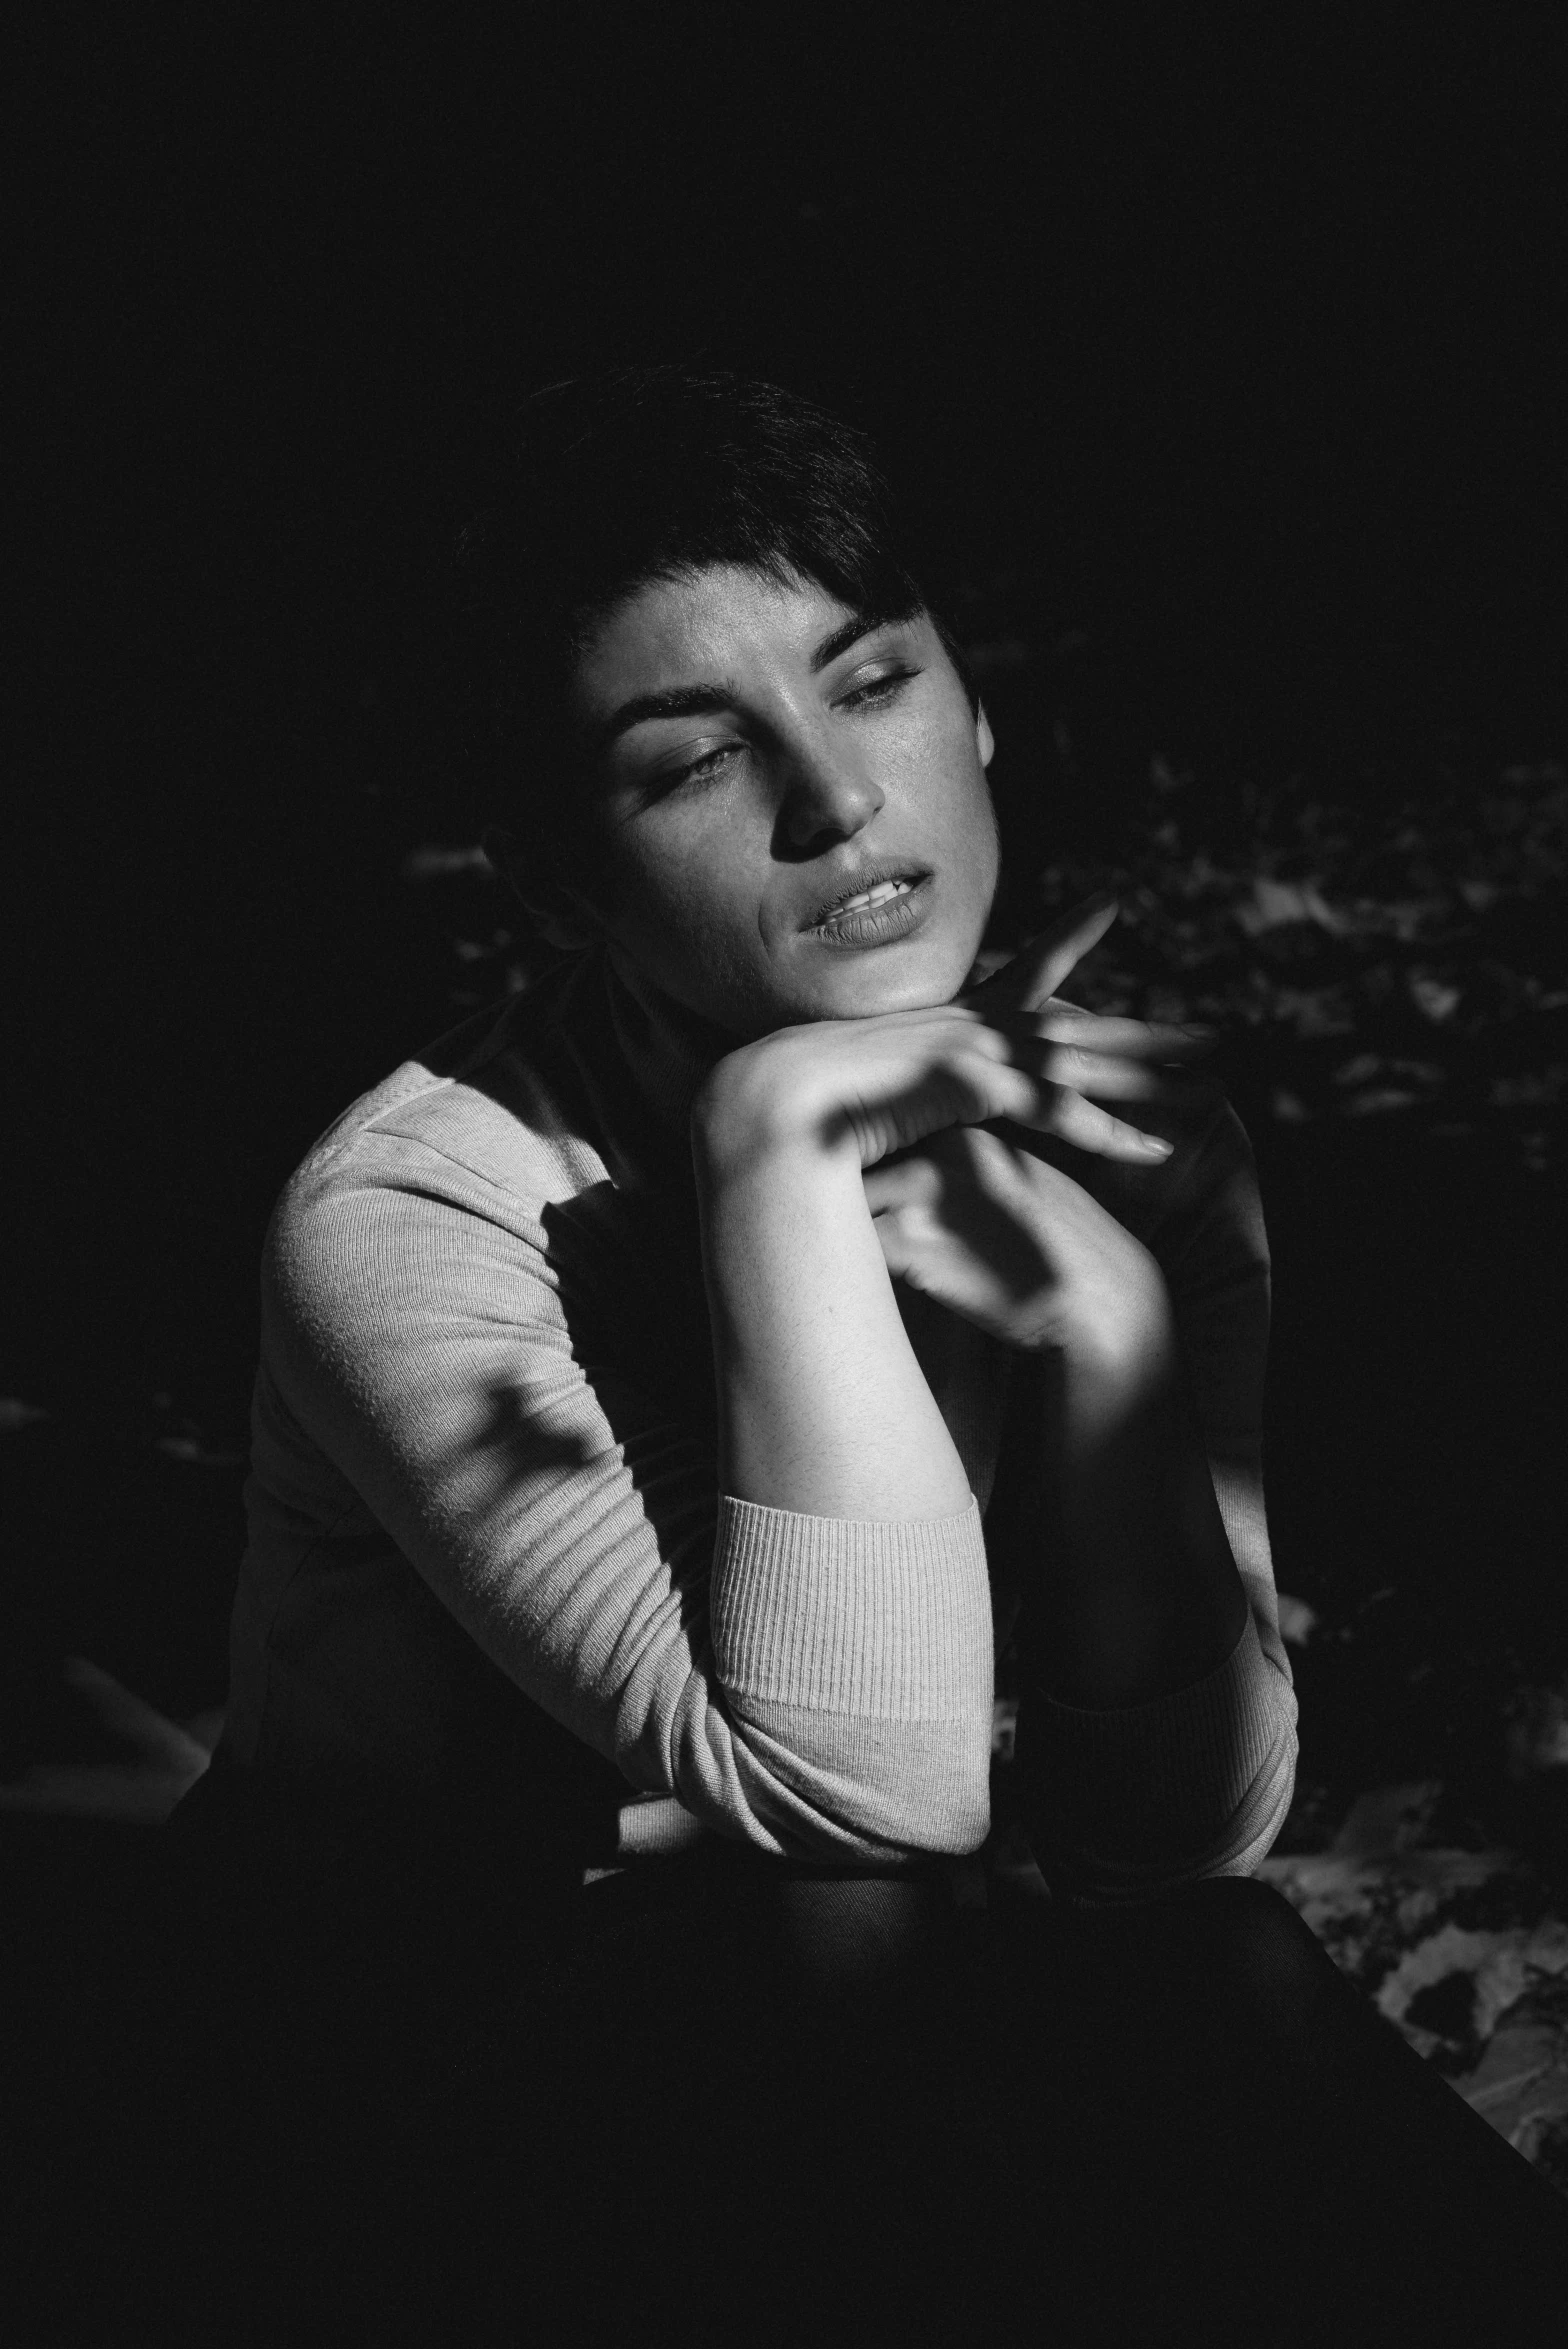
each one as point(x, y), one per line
point(676, 1390)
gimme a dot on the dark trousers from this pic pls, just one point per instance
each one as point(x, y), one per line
point(910, 2122)
point(720, 2099)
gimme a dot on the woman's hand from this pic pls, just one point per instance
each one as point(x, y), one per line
point(1005, 1049)
point(1004, 1237)
point(1010, 1243)
point(1025, 982)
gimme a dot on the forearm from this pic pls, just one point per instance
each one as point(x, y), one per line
point(852, 1629)
point(1143, 1597)
point(823, 1408)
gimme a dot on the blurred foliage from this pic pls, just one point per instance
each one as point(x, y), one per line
point(1382, 959)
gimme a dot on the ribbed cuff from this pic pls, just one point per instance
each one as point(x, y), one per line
point(883, 1620)
point(1146, 1779)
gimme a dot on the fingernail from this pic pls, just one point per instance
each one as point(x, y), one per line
point(1199, 1033)
point(1156, 1147)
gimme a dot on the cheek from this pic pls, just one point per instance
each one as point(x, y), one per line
point(960, 779)
point(942, 748)
point(683, 909)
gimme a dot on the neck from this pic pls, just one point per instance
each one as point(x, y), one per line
point(669, 1047)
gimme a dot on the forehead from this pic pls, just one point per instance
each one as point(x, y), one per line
point(706, 624)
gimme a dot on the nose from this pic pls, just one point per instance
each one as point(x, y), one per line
point(828, 797)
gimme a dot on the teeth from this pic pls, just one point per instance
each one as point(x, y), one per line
point(877, 896)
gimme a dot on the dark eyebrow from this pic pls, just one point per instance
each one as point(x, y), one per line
point(850, 632)
point(684, 701)
point(710, 700)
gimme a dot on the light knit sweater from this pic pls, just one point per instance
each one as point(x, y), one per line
point(490, 1571)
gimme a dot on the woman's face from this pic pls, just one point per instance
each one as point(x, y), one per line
point(757, 753)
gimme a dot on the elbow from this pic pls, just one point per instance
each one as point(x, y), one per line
point(1103, 1870)
point(936, 1801)
point(1272, 1811)
point(1126, 1805)
point(815, 1785)
point(883, 1787)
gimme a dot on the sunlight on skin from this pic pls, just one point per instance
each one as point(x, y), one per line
point(721, 831)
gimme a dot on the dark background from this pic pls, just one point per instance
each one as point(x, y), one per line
point(1234, 339)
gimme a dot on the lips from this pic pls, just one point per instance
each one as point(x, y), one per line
point(857, 885)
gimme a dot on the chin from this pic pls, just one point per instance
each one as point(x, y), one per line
point(888, 981)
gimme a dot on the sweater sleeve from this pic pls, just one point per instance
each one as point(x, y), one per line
point(809, 1685)
point(1145, 1798)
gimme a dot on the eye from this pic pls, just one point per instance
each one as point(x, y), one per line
point(699, 769)
point(877, 690)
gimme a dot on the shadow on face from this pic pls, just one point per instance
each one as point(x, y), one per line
point(754, 752)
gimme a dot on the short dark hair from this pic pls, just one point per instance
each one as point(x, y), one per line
point(644, 474)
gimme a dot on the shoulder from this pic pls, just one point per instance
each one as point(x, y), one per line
point(486, 1123)
point(497, 1098)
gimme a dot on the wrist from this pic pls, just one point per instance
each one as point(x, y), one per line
point(1121, 1358)
point(741, 1123)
